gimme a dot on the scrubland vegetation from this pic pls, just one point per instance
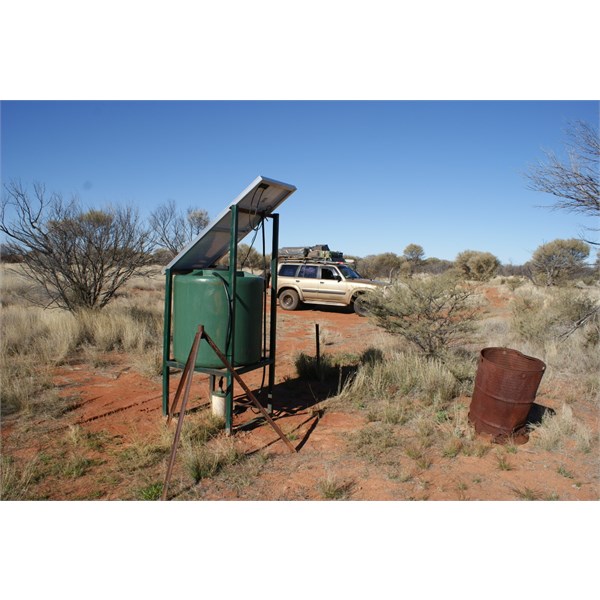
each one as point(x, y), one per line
point(409, 388)
point(416, 402)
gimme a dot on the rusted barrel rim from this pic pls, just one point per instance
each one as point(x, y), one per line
point(519, 361)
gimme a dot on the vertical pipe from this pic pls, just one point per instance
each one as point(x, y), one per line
point(211, 389)
point(167, 341)
point(273, 319)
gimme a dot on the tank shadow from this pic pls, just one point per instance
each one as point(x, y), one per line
point(302, 396)
point(536, 414)
point(293, 396)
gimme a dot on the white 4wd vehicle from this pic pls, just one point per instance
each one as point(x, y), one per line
point(321, 282)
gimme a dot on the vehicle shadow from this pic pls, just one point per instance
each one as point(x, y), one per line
point(323, 308)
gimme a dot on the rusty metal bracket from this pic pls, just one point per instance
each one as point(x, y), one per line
point(186, 379)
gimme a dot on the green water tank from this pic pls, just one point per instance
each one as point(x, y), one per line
point(201, 298)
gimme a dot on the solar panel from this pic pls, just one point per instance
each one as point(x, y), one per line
point(259, 199)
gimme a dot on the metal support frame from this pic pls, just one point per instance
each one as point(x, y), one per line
point(229, 375)
point(184, 386)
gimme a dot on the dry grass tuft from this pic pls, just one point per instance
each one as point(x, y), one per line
point(204, 460)
point(556, 430)
point(145, 450)
point(333, 487)
point(16, 480)
point(400, 375)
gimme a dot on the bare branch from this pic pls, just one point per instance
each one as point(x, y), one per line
point(575, 183)
point(171, 230)
point(80, 258)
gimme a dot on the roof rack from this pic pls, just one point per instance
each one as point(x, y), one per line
point(306, 259)
point(317, 252)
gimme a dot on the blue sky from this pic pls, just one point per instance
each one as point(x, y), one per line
point(372, 176)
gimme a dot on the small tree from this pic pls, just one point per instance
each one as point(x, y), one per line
point(435, 314)
point(81, 258)
point(197, 221)
point(477, 266)
point(172, 230)
point(413, 253)
point(558, 261)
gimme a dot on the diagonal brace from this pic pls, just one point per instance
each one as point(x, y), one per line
point(246, 389)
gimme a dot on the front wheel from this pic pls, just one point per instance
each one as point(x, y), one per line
point(288, 300)
point(360, 306)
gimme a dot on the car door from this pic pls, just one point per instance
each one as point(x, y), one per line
point(308, 280)
point(330, 288)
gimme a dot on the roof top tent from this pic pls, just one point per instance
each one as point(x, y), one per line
point(196, 290)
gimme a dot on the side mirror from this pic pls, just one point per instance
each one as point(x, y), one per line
point(337, 278)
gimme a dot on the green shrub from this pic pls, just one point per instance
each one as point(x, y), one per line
point(373, 441)
point(202, 429)
point(152, 491)
point(436, 314)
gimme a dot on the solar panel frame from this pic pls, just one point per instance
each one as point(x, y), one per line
point(256, 202)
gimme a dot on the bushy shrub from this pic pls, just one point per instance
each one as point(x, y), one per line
point(435, 313)
point(557, 262)
point(540, 317)
point(477, 266)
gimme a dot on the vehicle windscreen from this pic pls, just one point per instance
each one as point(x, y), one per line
point(348, 273)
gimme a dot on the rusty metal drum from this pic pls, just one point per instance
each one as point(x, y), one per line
point(505, 387)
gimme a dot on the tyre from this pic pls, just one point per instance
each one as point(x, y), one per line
point(360, 306)
point(288, 300)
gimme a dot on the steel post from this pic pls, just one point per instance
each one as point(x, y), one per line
point(273, 316)
point(166, 370)
point(229, 350)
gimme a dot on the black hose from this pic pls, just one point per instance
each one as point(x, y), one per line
point(230, 311)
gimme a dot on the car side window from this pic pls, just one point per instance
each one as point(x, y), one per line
point(287, 270)
point(327, 273)
point(308, 271)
